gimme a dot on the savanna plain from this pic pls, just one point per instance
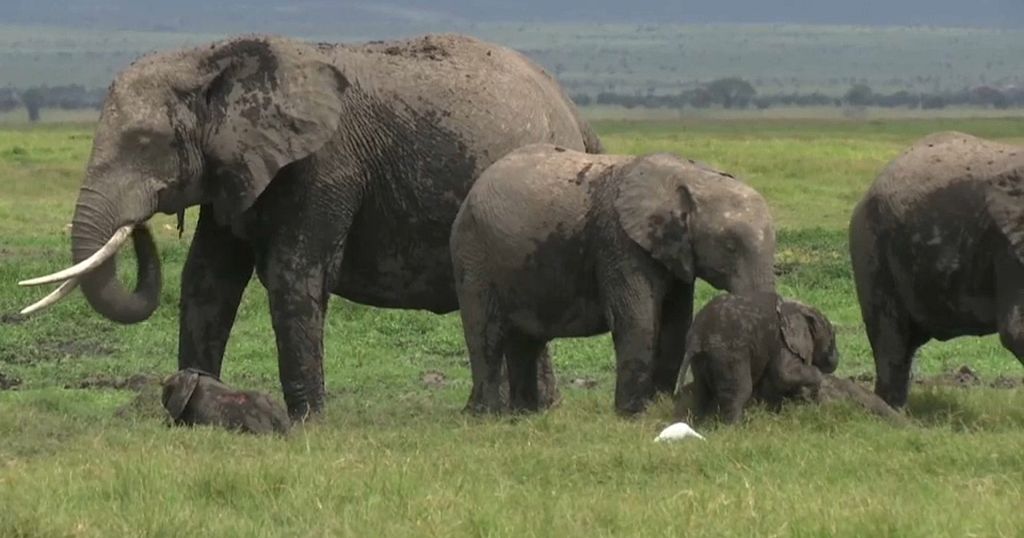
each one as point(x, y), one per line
point(82, 455)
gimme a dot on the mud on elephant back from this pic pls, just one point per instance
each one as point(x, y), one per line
point(325, 169)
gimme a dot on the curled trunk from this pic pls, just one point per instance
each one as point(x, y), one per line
point(95, 221)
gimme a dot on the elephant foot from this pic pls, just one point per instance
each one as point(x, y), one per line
point(481, 404)
point(548, 394)
point(302, 410)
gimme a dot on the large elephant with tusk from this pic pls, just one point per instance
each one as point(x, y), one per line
point(327, 169)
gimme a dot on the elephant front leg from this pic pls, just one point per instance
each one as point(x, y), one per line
point(298, 303)
point(218, 268)
point(676, 316)
point(531, 381)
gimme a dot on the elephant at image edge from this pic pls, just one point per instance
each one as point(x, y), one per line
point(552, 242)
point(326, 168)
point(937, 245)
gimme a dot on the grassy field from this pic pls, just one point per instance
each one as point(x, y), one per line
point(395, 457)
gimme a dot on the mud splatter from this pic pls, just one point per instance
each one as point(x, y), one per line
point(433, 379)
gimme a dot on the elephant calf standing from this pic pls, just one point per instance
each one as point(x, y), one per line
point(554, 243)
point(755, 347)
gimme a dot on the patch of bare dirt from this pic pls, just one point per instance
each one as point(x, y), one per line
point(12, 318)
point(1004, 382)
point(58, 350)
point(8, 382)
point(135, 382)
point(433, 379)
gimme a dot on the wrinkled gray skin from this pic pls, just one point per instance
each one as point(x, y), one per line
point(326, 168)
point(937, 245)
point(756, 347)
point(194, 397)
point(556, 243)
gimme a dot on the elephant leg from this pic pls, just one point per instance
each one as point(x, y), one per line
point(676, 316)
point(484, 329)
point(732, 392)
point(298, 295)
point(218, 268)
point(1010, 303)
point(892, 335)
point(634, 322)
point(549, 395)
point(523, 355)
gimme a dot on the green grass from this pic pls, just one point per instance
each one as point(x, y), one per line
point(393, 457)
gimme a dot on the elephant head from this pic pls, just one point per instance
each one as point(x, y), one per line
point(210, 125)
point(809, 335)
point(698, 222)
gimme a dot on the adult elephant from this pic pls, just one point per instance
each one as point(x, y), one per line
point(937, 246)
point(329, 168)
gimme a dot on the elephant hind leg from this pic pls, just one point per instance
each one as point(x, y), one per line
point(893, 336)
point(1010, 303)
point(524, 356)
point(486, 331)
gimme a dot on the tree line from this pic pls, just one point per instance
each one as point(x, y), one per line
point(729, 93)
point(736, 93)
point(36, 98)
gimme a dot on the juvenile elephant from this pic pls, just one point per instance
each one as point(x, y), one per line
point(329, 169)
point(193, 397)
point(755, 347)
point(937, 245)
point(552, 242)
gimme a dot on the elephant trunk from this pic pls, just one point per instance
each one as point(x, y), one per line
point(753, 281)
point(97, 217)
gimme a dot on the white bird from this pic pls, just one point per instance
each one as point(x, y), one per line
point(676, 432)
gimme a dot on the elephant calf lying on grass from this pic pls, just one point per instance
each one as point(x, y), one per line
point(192, 396)
point(755, 347)
point(554, 243)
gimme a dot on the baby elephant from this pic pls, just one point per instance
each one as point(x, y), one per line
point(553, 243)
point(192, 396)
point(756, 346)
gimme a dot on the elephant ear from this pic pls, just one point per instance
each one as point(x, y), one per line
point(1005, 201)
point(178, 390)
point(796, 330)
point(270, 102)
point(653, 207)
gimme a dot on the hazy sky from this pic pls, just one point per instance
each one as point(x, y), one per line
point(209, 14)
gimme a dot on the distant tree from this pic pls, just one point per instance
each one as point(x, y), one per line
point(731, 92)
point(933, 102)
point(581, 99)
point(8, 99)
point(33, 99)
point(859, 95)
point(987, 95)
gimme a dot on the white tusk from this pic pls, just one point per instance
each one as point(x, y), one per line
point(88, 264)
point(54, 297)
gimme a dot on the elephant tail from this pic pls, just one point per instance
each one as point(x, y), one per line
point(681, 380)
